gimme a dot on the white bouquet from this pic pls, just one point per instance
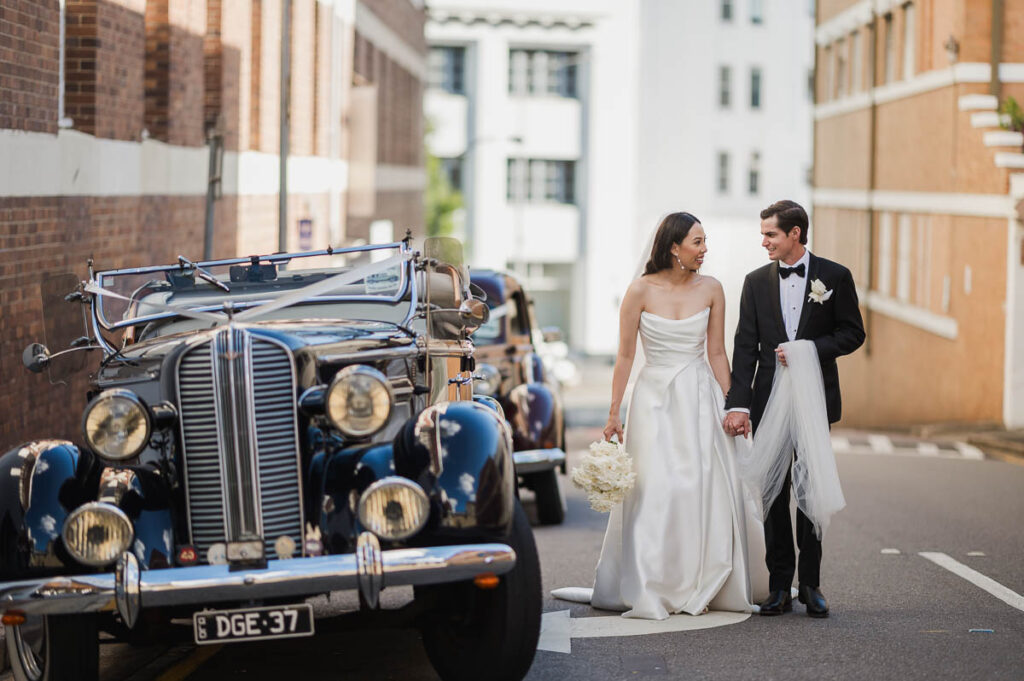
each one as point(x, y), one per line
point(605, 473)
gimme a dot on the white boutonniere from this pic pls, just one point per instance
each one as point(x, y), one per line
point(818, 292)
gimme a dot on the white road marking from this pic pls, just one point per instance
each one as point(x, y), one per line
point(881, 444)
point(969, 452)
point(840, 444)
point(927, 449)
point(890, 552)
point(558, 628)
point(1008, 596)
point(975, 553)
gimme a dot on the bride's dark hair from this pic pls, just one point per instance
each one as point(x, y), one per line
point(673, 229)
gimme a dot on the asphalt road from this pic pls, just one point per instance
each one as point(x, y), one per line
point(895, 613)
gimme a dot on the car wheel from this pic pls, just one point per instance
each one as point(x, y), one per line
point(550, 509)
point(489, 634)
point(54, 648)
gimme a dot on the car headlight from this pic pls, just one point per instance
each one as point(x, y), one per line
point(116, 424)
point(97, 533)
point(487, 380)
point(394, 508)
point(359, 401)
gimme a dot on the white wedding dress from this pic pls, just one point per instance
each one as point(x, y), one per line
point(689, 535)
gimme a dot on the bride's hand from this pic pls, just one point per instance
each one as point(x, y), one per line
point(613, 427)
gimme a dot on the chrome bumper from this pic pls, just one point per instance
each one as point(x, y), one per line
point(130, 589)
point(534, 460)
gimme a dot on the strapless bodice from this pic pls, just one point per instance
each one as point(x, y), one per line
point(673, 342)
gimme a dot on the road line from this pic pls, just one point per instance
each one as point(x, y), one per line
point(969, 452)
point(881, 444)
point(927, 449)
point(891, 552)
point(558, 627)
point(1008, 596)
point(184, 669)
point(840, 444)
point(975, 553)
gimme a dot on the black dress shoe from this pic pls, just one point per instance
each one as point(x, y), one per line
point(777, 603)
point(812, 597)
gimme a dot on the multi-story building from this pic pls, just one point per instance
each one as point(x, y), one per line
point(110, 111)
point(918, 189)
point(571, 126)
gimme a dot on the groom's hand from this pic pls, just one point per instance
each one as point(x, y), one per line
point(781, 355)
point(737, 423)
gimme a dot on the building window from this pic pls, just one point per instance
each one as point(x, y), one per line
point(903, 256)
point(884, 253)
point(754, 174)
point(856, 67)
point(540, 72)
point(756, 12)
point(909, 45)
point(723, 172)
point(840, 52)
point(538, 180)
point(447, 66)
point(726, 10)
point(755, 88)
point(724, 87)
point(451, 168)
point(889, 63)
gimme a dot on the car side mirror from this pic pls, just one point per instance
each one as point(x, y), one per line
point(35, 357)
point(474, 313)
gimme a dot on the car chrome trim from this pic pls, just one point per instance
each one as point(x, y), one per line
point(126, 588)
point(370, 568)
point(296, 577)
point(534, 460)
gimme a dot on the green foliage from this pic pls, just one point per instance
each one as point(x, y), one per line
point(1012, 110)
point(441, 199)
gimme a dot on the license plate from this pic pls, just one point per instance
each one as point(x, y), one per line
point(252, 624)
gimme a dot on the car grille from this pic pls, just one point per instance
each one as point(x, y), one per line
point(237, 405)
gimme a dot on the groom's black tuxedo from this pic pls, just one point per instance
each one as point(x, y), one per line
point(834, 325)
point(836, 328)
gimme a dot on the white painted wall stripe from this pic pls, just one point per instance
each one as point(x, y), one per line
point(400, 178)
point(72, 163)
point(1006, 595)
point(965, 72)
point(940, 325)
point(974, 205)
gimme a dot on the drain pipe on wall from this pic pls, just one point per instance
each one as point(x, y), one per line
point(285, 116)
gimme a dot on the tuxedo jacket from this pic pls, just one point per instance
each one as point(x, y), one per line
point(835, 326)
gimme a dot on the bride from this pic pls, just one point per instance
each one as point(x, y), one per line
point(681, 540)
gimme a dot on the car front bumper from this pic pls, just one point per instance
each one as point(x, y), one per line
point(369, 569)
point(536, 460)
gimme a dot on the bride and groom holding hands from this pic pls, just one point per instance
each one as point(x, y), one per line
point(707, 523)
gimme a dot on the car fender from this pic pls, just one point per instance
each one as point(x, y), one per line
point(535, 415)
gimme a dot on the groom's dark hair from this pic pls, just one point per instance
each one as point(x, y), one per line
point(673, 229)
point(791, 214)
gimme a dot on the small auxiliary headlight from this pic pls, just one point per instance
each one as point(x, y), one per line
point(116, 424)
point(359, 401)
point(487, 380)
point(97, 533)
point(394, 508)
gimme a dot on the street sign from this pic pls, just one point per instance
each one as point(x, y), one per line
point(305, 234)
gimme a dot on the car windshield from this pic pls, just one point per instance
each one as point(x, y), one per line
point(253, 287)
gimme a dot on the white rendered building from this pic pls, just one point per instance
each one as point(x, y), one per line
point(571, 126)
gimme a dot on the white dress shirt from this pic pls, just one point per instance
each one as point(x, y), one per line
point(791, 298)
point(791, 294)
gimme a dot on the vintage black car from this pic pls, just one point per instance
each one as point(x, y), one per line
point(261, 430)
point(510, 370)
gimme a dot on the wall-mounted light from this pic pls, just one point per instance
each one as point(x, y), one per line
point(952, 49)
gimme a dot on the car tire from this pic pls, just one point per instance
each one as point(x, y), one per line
point(489, 634)
point(550, 505)
point(54, 648)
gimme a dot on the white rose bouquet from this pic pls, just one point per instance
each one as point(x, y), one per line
point(605, 473)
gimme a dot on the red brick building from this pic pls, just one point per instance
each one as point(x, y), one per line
point(106, 109)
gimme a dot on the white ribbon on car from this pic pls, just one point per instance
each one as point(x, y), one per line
point(795, 418)
point(318, 289)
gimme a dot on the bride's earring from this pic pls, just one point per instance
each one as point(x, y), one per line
point(679, 261)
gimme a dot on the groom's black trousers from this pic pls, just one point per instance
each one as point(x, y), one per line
point(778, 538)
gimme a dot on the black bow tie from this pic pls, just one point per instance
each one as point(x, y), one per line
point(799, 271)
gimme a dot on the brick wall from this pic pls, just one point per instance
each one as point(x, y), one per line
point(29, 52)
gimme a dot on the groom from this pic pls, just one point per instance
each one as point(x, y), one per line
point(798, 296)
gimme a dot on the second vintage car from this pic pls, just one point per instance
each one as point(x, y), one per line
point(509, 369)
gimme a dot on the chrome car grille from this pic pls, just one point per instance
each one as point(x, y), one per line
point(236, 397)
